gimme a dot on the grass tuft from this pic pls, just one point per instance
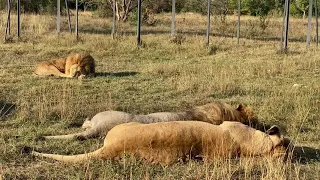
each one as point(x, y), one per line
point(283, 89)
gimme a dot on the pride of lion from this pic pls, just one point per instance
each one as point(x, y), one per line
point(74, 65)
point(210, 131)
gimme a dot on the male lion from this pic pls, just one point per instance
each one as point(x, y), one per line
point(214, 113)
point(76, 64)
point(167, 142)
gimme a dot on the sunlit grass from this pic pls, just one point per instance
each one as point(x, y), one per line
point(160, 76)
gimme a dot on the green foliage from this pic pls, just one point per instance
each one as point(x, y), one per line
point(103, 8)
point(158, 6)
point(33, 6)
point(195, 6)
point(294, 11)
point(38, 6)
point(3, 4)
point(232, 5)
point(146, 19)
point(301, 5)
point(258, 8)
point(134, 17)
point(162, 76)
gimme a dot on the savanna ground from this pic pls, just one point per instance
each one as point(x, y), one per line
point(159, 76)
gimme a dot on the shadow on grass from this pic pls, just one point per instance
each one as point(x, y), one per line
point(304, 154)
point(264, 127)
point(76, 124)
point(301, 154)
point(186, 32)
point(116, 74)
point(6, 109)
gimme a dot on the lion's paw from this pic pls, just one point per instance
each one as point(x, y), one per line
point(81, 77)
point(73, 70)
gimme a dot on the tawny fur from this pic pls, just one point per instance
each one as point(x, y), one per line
point(214, 113)
point(75, 64)
point(167, 142)
point(253, 142)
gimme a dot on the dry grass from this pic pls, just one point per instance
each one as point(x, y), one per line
point(161, 76)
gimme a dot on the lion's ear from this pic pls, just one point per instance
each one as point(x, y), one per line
point(275, 136)
point(274, 130)
point(240, 107)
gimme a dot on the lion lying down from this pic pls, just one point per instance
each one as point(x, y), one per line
point(76, 64)
point(167, 142)
point(214, 113)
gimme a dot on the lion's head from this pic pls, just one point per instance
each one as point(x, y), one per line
point(255, 142)
point(247, 114)
point(282, 146)
point(218, 112)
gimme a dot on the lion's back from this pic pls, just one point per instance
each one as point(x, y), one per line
point(40, 67)
point(217, 113)
point(165, 142)
point(60, 64)
point(44, 67)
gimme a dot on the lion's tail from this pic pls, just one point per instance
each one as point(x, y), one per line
point(71, 158)
point(67, 136)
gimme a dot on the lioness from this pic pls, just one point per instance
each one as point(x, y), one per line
point(166, 142)
point(76, 64)
point(214, 113)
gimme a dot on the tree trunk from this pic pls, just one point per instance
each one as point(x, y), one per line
point(123, 11)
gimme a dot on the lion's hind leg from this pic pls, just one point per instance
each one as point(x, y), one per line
point(67, 136)
point(52, 70)
point(74, 70)
point(86, 76)
point(48, 69)
point(89, 133)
